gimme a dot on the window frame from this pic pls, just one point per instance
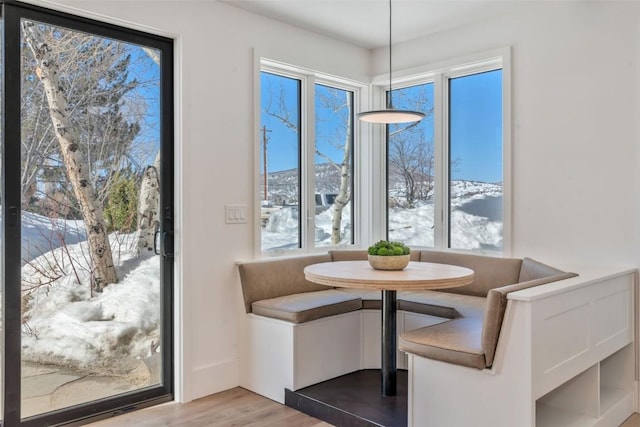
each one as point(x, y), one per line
point(440, 75)
point(308, 81)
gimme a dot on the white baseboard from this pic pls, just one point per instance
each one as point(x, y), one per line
point(213, 378)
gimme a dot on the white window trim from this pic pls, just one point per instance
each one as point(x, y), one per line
point(439, 75)
point(309, 78)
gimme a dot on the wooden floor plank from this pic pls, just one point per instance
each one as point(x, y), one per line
point(632, 421)
point(235, 407)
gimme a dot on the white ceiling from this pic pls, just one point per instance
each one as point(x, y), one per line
point(365, 23)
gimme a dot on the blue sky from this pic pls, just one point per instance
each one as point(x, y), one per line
point(475, 123)
point(147, 72)
point(475, 118)
point(282, 146)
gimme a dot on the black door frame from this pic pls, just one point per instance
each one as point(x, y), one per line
point(12, 12)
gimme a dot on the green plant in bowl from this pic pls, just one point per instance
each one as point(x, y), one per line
point(386, 248)
point(386, 255)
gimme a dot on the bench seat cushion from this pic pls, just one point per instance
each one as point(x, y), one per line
point(442, 304)
point(371, 299)
point(449, 306)
point(307, 306)
point(456, 341)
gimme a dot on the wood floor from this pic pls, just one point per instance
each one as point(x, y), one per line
point(632, 421)
point(235, 407)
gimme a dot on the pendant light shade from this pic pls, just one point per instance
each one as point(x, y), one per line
point(390, 114)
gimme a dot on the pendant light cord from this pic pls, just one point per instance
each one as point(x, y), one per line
point(390, 105)
point(390, 115)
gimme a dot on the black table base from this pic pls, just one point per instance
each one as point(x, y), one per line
point(388, 367)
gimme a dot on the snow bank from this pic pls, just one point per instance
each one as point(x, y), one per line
point(41, 234)
point(109, 332)
point(476, 221)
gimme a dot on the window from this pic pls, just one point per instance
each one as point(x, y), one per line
point(280, 147)
point(475, 161)
point(333, 165)
point(445, 174)
point(410, 170)
point(306, 161)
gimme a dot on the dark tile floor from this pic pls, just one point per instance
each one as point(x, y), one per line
point(353, 400)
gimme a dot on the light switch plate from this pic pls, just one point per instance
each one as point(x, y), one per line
point(235, 214)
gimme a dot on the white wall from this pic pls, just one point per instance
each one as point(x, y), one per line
point(215, 164)
point(576, 154)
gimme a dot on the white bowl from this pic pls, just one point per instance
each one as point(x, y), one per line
point(392, 262)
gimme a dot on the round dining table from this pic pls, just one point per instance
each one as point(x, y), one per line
point(415, 277)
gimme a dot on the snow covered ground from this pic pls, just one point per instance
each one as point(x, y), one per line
point(65, 325)
point(41, 234)
point(476, 221)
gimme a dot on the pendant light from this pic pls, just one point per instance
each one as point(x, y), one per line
point(390, 114)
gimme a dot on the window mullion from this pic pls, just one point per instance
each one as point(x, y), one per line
point(441, 167)
point(378, 171)
point(307, 208)
point(506, 155)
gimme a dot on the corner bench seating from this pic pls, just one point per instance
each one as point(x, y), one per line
point(322, 332)
point(278, 289)
point(525, 344)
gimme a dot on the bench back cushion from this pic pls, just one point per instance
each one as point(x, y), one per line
point(348, 254)
point(489, 272)
point(532, 270)
point(266, 279)
point(360, 255)
point(497, 305)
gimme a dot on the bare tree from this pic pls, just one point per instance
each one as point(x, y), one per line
point(411, 161)
point(148, 208)
point(410, 154)
point(149, 199)
point(339, 102)
point(48, 72)
point(93, 73)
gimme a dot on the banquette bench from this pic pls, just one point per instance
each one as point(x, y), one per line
point(458, 325)
point(525, 344)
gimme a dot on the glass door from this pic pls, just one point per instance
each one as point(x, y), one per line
point(89, 141)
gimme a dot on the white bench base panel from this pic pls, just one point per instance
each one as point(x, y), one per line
point(276, 354)
point(564, 359)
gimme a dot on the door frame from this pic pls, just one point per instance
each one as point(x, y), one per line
point(10, 257)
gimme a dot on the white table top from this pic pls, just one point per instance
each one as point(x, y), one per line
point(416, 276)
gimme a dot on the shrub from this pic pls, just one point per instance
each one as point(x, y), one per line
point(121, 206)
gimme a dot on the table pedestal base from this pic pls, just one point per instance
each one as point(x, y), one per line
point(388, 366)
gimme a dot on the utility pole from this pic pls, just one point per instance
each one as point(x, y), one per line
point(265, 141)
